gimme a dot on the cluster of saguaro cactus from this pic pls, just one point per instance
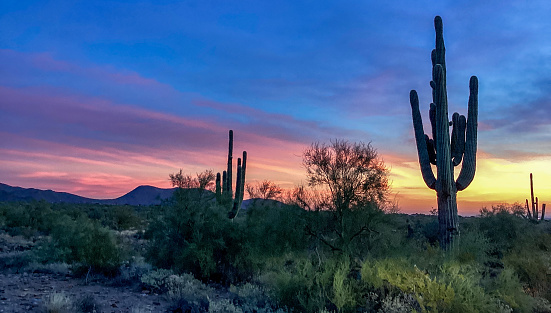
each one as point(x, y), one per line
point(438, 150)
point(224, 192)
point(533, 214)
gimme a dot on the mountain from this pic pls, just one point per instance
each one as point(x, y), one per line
point(142, 195)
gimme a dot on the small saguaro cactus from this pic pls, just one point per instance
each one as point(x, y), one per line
point(534, 214)
point(439, 150)
point(224, 193)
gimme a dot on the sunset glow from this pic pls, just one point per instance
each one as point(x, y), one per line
point(98, 99)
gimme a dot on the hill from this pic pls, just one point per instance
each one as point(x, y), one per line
point(142, 195)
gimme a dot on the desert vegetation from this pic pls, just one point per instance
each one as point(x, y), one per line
point(332, 246)
point(335, 245)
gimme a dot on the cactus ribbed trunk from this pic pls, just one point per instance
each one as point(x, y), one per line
point(439, 150)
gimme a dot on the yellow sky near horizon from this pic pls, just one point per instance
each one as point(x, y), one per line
point(496, 181)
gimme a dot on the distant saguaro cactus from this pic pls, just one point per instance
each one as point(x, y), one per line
point(438, 150)
point(226, 196)
point(534, 215)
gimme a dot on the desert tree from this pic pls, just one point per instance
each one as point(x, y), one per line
point(353, 173)
point(203, 180)
point(355, 181)
point(265, 189)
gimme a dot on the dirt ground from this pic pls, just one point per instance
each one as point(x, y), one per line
point(26, 292)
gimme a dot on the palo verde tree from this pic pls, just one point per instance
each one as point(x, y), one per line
point(263, 190)
point(438, 150)
point(356, 182)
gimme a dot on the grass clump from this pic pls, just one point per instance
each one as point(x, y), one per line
point(58, 302)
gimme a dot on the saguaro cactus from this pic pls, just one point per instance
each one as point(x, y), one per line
point(226, 196)
point(534, 215)
point(439, 150)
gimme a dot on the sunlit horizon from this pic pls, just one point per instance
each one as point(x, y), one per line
point(97, 99)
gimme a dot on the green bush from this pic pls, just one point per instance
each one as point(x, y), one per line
point(313, 285)
point(272, 229)
point(509, 289)
point(194, 236)
point(431, 294)
point(82, 243)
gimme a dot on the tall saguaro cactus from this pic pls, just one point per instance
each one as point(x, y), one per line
point(439, 150)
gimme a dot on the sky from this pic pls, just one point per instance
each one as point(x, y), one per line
point(99, 97)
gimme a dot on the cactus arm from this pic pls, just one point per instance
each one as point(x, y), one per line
point(432, 118)
point(468, 167)
point(431, 150)
point(537, 208)
point(218, 189)
point(230, 162)
point(243, 170)
point(422, 152)
point(458, 138)
point(236, 204)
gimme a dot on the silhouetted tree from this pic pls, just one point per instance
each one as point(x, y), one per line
point(204, 180)
point(353, 173)
point(264, 190)
point(355, 182)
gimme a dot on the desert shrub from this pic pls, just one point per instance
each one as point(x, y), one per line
point(27, 218)
point(395, 273)
point(469, 295)
point(121, 218)
point(185, 286)
point(349, 232)
point(86, 304)
point(156, 280)
point(508, 288)
point(472, 247)
point(312, 285)
point(132, 270)
point(254, 298)
point(501, 228)
point(530, 259)
point(15, 261)
point(273, 229)
point(83, 243)
point(194, 236)
point(58, 302)
point(187, 293)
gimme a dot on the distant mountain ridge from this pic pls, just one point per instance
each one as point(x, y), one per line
point(141, 195)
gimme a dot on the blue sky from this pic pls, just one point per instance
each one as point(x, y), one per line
point(99, 96)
